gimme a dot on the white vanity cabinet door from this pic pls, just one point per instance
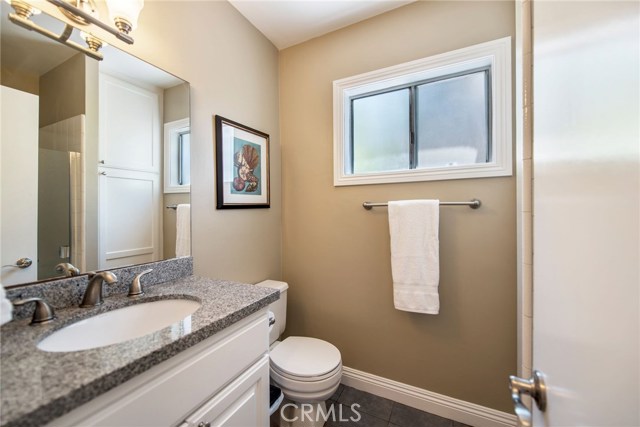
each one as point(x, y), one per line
point(241, 404)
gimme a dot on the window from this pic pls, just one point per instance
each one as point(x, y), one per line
point(184, 160)
point(442, 117)
point(177, 161)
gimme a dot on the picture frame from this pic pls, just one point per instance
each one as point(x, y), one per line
point(242, 166)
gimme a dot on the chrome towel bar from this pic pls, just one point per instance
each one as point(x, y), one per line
point(174, 207)
point(473, 204)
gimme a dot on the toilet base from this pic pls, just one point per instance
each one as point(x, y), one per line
point(294, 414)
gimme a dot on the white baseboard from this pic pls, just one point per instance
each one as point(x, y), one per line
point(438, 404)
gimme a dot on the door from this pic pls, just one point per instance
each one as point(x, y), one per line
point(129, 217)
point(129, 125)
point(586, 211)
point(19, 200)
point(130, 201)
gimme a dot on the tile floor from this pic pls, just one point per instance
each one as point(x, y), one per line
point(377, 411)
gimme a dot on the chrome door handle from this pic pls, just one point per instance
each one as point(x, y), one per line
point(534, 387)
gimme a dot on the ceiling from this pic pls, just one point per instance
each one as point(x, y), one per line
point(284, 22)
point(289, 22)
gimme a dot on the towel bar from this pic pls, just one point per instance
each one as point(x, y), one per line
point(174, 207)
point(473, 204)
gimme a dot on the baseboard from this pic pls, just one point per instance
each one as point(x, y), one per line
point(438, 404)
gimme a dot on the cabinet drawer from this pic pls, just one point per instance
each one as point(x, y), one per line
point(168, 392)
point(242, 403)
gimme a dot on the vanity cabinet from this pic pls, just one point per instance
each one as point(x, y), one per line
point(221, 381)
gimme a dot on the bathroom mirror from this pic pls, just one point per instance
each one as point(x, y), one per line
point(95, 157)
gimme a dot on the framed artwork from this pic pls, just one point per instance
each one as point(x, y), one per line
point(242, 166)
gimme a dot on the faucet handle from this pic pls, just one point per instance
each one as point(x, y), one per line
point(42, 314)
point(136, 286)
point(68, 269)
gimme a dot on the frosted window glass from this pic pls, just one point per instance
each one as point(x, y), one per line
point(381, 132)
point(452, 121)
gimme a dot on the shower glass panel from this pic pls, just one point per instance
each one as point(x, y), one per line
point(54, 204)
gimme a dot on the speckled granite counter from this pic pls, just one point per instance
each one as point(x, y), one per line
point(37, 387)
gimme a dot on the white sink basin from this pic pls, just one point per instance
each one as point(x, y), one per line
point(120, 325)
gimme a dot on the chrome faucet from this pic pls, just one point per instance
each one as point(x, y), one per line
point(68, 269)
point(93, 293)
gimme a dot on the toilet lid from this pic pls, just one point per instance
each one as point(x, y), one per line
point(305, 357)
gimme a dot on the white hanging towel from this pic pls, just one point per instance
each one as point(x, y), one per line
point(183, 230)
point(415, 258)
point(6, 308)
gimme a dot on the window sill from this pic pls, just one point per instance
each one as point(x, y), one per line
point(418, 175)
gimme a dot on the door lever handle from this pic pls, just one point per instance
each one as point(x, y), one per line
point(534, 387)
point(21, 263)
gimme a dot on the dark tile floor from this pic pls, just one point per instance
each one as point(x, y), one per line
point(375, 411)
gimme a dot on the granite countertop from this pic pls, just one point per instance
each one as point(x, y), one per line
point(37, 386)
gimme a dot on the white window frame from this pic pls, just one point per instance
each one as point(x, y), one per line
point(172, 131)
point(495, 54)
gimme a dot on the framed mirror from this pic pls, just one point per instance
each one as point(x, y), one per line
point(95, 158)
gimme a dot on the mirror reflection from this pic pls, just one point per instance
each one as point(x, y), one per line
point(94, 159)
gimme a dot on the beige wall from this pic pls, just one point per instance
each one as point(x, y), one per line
point(91, 135)
point(20, 80)
point(176, 107)
point(61, 96)
point(336, 254)
point(176, 103)
point(233, 71)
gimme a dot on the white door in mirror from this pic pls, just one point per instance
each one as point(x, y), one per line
point(121, 325)
point(130, 202)
point(19, 202)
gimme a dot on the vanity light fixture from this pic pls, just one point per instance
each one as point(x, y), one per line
point(124, 14)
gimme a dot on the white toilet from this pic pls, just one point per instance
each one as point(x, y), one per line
point(308, 370)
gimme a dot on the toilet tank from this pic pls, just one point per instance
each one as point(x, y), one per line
point(279, 308)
